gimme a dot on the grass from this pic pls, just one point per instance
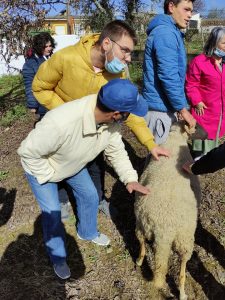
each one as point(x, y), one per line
point(8, 84)
point(12, 92)
point(3, 175)
point(12, 99)
point(15, 113)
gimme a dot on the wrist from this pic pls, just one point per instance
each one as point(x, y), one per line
point(184, 111)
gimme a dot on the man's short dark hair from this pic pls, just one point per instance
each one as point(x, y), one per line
point(115, 30)
point(102, 107)
point(175, 2)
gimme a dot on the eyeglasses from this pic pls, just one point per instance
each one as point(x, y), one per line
point(126, 51)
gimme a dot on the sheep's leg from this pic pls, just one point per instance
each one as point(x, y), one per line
point(141, 239)
point(162, 252)
point(182, 278)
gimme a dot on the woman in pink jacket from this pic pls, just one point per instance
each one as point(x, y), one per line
point(205, 89)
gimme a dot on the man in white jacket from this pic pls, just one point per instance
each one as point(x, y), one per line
point(60, 147)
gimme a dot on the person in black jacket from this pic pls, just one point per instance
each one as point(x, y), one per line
point(42, 48)
point(209, 163)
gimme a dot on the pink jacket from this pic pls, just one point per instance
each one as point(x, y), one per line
point(205, 82)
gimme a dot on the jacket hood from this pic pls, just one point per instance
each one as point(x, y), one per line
point(90, 39)
point(162, 19)
point(84, 47)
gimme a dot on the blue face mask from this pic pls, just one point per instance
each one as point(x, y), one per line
point(219, 53)
point(115, 66)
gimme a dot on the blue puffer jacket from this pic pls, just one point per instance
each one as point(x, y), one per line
point(29, 70)
point(164, 66)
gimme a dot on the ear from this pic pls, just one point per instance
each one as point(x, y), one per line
point(116, 115)
point(106, 44)
point(170, 7)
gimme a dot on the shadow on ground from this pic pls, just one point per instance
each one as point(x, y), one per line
point(7, 199)
point(25, 272)
point(125, 218)
point(211, 287)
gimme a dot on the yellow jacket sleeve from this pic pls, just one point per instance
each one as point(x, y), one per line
point(141, 130)
point(45, 81)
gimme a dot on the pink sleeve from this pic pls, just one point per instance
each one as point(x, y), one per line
point(192, 83)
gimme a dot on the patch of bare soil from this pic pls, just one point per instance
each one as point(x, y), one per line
point(100, 273)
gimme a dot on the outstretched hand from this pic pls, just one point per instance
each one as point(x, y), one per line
point(135, 186)
point(159, 151)
point(200, 108)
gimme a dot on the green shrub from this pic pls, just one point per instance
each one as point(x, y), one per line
point(15, 113)
point(136, 72)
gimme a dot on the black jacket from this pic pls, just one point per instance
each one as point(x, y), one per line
point(211, 162)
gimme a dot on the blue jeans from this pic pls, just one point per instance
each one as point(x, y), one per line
point(87, 209)
point(96, 169)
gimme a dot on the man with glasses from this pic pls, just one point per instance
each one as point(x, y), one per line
point(80, 70)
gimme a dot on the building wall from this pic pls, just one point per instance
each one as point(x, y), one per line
point(58, 27)
point(208, 24)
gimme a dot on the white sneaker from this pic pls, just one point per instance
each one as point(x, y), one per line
point(101, 239)
point(62, 270)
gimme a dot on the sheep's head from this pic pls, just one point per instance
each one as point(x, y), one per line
point(182, 130)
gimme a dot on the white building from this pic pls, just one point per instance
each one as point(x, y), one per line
point(195, 22)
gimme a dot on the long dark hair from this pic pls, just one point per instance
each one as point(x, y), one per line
point(39, 42)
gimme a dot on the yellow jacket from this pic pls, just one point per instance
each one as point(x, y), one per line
point(69, 75)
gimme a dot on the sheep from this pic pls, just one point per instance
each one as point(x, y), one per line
point(168, 215)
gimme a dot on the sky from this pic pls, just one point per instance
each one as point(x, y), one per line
point(210, 4)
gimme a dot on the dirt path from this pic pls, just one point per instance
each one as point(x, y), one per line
point(99, 273)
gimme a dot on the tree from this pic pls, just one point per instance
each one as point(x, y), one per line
point(132, 8)
point(100, 12)
point(216, 13)
point(95, 12)
point(17, 18)
point(199, 5)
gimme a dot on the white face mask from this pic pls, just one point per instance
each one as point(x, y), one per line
point(115, 66)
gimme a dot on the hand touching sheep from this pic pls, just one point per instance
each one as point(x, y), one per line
point(135, 186)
